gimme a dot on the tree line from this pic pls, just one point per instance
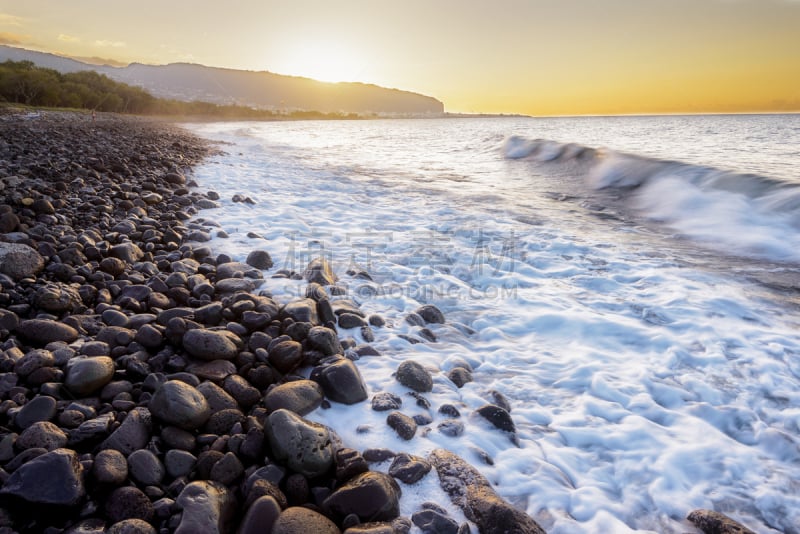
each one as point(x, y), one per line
point(22, 82)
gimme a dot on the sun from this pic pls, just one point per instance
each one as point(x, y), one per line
point(326, 62)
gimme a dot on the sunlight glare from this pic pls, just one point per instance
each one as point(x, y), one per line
point(323, 61)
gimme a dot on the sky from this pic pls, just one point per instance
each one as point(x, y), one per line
point(536, 57)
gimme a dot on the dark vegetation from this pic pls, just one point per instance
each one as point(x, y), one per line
point(22, 82)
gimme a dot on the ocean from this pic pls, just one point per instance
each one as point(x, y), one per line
point(628, 284)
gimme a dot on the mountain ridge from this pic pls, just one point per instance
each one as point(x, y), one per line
point(259, 89)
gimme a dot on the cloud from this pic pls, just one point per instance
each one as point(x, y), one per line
point(7, 38)
point(10, 20)
point(68, 38)
point(109, 44)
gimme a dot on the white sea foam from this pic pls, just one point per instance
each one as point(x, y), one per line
point(645, 381)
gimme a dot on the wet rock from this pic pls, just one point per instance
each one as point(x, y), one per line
point(260, 259)
point(372, 496)
point(211, 344)
point(349, 463)
point(473, 493)
point(496, 415)
point(86, 375)
point(300, 520)
point(286, 356)
point(110, 467)
point(341, 381)
point(179, 404)
point(299, 396)
point(64, 475)
point(408, 468)
point(19, 261)
point(128, 502)
point(459, 376)
point(303, 445)
point(434, 522)
point(711, 522)
point(404, 425)
point(133, 434)
point(43, 331)
point(413, 375)
point(430, 314)
point(208, 507)
point(351, 320)
point(451, 427)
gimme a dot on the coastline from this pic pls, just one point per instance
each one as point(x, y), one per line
point(140, 371)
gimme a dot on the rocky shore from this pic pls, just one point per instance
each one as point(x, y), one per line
point(147, 386)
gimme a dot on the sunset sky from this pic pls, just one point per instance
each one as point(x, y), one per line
point(538, 57)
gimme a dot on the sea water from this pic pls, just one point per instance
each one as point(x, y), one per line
point(629, 284)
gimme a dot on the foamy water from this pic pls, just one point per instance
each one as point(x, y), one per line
point(614, 296)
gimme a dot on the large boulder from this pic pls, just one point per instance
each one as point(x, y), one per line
point(303, 445)
point(372, 496)
point(180, 404)
point(474, 494)
point(19, 261)
point(62, 472)
point(298, 396)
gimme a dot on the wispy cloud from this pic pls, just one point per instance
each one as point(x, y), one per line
point(13, 38)
point(68, 38)
point(10, 20)
point(109, 44)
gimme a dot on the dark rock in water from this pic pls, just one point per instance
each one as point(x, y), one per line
point(372, 496)
point(500, 400)
point(351, 320)
point(385, 401)
point(86, 375)
point(19, 261)
point(260, 516)
point(43, 331)
point(260, 259)
point(208, 507)
point(434, 522)
point(110, 467)
point(301, 520)
point(451, 427)
point(341, 381)
point(179, 404)
point(64, 475)
point(497, 416)
point(302, 311)
point(38, 409)
point(404, 425)
point(133, 434)
point(378, 455)
point(408, 468)
point(211, 344)
point(128, 502)
point(449, 410)
point(412, 375)
point(319, 271)
point(459, 376)
point(304, 446)
point(324, 340)
point(473, 493)
point(711, 522)
point(430, 314)
point(299, 396)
